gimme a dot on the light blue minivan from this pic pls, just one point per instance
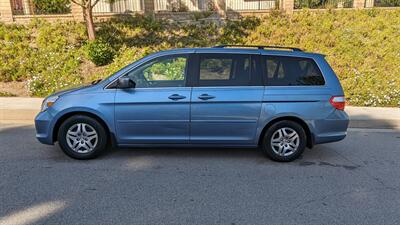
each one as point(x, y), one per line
point(280, 99)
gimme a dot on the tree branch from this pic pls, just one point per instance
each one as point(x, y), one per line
point(94, 3)
point(78, 3)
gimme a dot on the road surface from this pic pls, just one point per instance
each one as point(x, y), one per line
point(356, 181)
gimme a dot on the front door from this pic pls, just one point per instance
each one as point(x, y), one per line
point(226, 99)
point(157, 110)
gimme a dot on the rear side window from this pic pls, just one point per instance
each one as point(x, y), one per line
point(225, 70)
point(292, 71)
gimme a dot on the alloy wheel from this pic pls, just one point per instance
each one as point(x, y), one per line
point(82, 138)
point(285, 141)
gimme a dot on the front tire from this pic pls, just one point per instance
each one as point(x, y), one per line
point(82, 137)
point(284, 141)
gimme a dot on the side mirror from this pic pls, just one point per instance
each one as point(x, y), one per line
point(125, 83)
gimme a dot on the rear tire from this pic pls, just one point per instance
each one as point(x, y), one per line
point(284, 141)
point(82, 137)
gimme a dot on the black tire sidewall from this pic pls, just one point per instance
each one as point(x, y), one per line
point(266, 144)
point(101, 132)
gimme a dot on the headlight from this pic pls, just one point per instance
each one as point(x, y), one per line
point(48, 102)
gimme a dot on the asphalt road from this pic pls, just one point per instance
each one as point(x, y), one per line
point(356, 181)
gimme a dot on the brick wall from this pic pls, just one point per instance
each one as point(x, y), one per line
point(76, 11)
point(358, 4)
point(6, 11)
point(287, 6)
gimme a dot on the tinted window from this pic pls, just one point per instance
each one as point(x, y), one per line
point(224, 70)
point(289, 71)
point(161, 72)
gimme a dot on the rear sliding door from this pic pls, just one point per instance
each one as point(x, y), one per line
point(226, 99)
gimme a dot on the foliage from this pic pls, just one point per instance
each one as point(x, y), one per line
point(47, 55)
point(15, 52)
point(177, 6)
point(171, 69)
point(52, 6)
point(362, 46)
point(6, 94)
point(99, 52)
point(236, 32)
point(299, 4)
point(316, 4)
point(56, 56)
point(198, 15)
point(388, 3)
point(54, 71)
point(125, 57)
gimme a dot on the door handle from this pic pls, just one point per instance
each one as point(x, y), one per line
point(176, 97)
point(206, 97)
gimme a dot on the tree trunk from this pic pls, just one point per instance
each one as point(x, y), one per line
point(89, 23)
point(219, 6)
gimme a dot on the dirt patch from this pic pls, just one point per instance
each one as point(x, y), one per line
point(15, 88)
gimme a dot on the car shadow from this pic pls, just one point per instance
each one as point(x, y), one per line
point(18, 141)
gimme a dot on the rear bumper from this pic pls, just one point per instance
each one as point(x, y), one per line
point(331, 129)
point(330, 138)
point(43, 128)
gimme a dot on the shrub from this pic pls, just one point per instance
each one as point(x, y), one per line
point(100, 52)
point(125, 56)
point(236, 32)
point(54, 71)
point(388, 3)
point(15, 53)
point(52, 6)
point(362, 46)
point(6, 94)
point(315, 4)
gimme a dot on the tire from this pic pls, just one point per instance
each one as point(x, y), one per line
point(77, 137)
point(284, 141)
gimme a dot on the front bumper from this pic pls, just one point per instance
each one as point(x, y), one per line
point(44, 130)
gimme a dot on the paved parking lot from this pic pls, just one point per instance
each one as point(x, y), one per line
point(356, 181)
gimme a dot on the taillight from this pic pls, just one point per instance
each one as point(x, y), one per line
point(338, 102)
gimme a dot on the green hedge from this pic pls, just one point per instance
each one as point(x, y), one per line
point(363, 47)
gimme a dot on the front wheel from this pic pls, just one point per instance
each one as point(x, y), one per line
point(82, 137)
point(284, 141)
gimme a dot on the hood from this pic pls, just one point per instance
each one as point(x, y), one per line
point(70, 90)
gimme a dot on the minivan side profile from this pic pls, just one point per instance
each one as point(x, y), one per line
point(281, 100)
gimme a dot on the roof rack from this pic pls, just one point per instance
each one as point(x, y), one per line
point(260, 47)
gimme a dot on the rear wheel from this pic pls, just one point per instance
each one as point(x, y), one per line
point(82, 137)
point(284, 141)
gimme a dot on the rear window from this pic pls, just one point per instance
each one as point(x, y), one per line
point(292, 71)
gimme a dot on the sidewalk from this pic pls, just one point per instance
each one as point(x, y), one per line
point(24, 110)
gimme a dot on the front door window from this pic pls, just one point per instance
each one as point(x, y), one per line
point(161, 72)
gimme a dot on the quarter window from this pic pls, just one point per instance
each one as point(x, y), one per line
point(161, 72)
point(292, 71)
point(224, 70)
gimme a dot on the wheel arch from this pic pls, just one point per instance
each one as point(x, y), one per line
point(85, 113)
point(309, 134)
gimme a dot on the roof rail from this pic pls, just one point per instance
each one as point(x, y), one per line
point(260, 47)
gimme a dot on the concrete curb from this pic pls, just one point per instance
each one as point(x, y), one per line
point(24, 110)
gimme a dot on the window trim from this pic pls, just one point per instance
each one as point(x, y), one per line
point(189, 60)
point(263, 70)
point(255, 80)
